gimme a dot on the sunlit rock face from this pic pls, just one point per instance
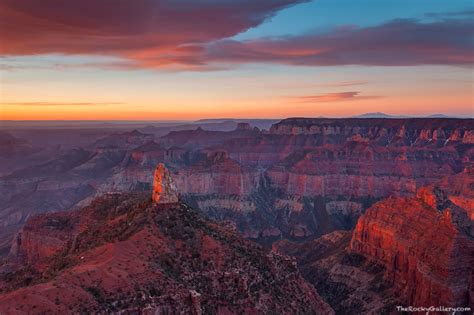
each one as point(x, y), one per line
point(164, 188)
point(416, 250)
point(425, 242)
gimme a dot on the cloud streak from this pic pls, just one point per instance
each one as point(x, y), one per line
point(334, 97)
point(344, 83)
point(40, 104)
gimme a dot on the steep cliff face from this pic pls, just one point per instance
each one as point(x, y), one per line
point(362, 170)
point(415, 251)
point(426, 242)
point(217, 174)
point(404, 131)
point(127, 252)
point(370, 157)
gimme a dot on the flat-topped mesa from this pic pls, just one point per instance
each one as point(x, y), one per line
point(408, 131)
point(164, 188)
point(243, 126)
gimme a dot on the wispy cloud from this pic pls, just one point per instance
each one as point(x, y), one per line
point(333, 97)
point(309, 85)
point(451, 14)
point(344, 83)
point(60, 103)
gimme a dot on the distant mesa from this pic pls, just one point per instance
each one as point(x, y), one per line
point(164, 188)
point(383, 115)
point(243, 126)
point(440, 116)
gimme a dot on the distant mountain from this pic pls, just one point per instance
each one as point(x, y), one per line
point(441, 116)
point(379, 115)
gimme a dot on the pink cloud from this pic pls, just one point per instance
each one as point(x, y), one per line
point(137, 29)
point(193, 35)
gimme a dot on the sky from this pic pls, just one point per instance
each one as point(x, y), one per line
point(189, 59)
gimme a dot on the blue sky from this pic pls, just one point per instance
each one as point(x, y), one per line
point(321, 15)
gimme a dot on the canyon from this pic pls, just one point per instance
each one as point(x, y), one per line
point(351, 215)
point(298, 180)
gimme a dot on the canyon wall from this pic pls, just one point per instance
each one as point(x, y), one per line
point(426, 242)
point(307, 177)
point(404, 251)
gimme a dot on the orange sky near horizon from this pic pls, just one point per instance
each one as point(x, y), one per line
point(257, 93)
point(271, 109)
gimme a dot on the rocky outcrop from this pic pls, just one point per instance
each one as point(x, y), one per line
point(124, 253)
point(43, 237)
point(164, 188)
point(426, 242)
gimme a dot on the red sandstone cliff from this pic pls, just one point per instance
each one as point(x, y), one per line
point(416, 251)
point(425, 242)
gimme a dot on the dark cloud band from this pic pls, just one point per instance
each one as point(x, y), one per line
point(193, 35)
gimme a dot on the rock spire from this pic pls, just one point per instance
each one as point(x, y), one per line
point(164, 188)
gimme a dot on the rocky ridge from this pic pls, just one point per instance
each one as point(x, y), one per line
point(127, 253)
